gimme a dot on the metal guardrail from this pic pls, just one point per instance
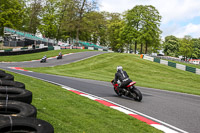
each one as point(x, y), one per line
point(171, 64)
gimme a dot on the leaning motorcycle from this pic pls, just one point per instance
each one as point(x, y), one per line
point(131, 91)
point(59, 56)
point(43, 60)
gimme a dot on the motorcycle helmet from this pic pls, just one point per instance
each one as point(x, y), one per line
point(119, 68)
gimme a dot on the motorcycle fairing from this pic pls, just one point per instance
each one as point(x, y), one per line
point(131, 84)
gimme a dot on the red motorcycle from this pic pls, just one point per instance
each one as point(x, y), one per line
point(131, 91)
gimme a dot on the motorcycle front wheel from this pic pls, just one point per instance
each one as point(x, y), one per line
point(136, 94)
point(119, 94)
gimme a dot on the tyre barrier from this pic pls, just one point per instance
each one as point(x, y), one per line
point(4, 82)
point(24, 124)
point(1, 71)
point(16, 112)
point(6, 76)
point(16, 108)
point(17, 94)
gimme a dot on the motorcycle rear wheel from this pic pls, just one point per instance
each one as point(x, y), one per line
point(136, 94)
point(119, 94)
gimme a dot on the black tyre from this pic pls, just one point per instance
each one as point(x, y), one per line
point(42, 61)
point(6, 76)
point(59, 57)
point(119, 94)
point(12, 83)
point(24, 125)
point(17, 94)
point(16, 108)
point(136, 94)
point(2, 71)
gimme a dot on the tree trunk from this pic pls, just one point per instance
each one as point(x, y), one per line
point(141, 48)
point(135, 46)
point(146, 48)
point(80, 19)
point(77, 35)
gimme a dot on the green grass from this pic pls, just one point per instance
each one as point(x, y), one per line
point(36, 56)
point(145, 73)
point(71, 113)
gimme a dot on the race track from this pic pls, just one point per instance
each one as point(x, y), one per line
point(53, 62)
point(177, 109)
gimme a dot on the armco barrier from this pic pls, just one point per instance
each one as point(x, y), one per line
point(172, 64)
point(198, 71)
point(10, 52)
point(157, 60)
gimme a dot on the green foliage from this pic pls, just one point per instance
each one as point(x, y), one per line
point(70, 19)
point(49, 20)
point(94, 24)
point(196, 50)
point(11, 14)
point(142, 24)
point(171, 46)
point(186, 47)
point(114, 30)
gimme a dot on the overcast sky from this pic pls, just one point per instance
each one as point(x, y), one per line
point(179, 17)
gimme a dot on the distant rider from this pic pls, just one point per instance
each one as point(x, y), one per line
point(123, 77)
point(60, 54)
point(44, 57)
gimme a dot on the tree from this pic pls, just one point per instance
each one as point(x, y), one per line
point(33, 11)
point(171, 45)
point(186, 47)
point(114, 30)
point(11, 14)
point(144, 22)
point(82, 7)
point(48, 26)
point(72, 23)
point(62, 13)
point(94, 24)
point(196, 48)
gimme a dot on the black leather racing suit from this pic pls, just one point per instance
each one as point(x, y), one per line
point(123, 77)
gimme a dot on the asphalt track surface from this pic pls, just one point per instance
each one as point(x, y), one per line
point(54, 62)
point(177, 109)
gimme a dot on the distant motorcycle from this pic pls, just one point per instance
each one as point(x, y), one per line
point(59, 56)
point(131, 91)
point(43, 60)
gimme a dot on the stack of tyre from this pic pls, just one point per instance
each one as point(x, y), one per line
point(16, 112)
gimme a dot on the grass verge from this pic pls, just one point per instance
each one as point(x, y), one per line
point(71, 113)
point(36, 56)
point(145, 73)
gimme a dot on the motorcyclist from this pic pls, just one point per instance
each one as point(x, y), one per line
point(60, 54)
point(123, 77)
point(44, 57)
